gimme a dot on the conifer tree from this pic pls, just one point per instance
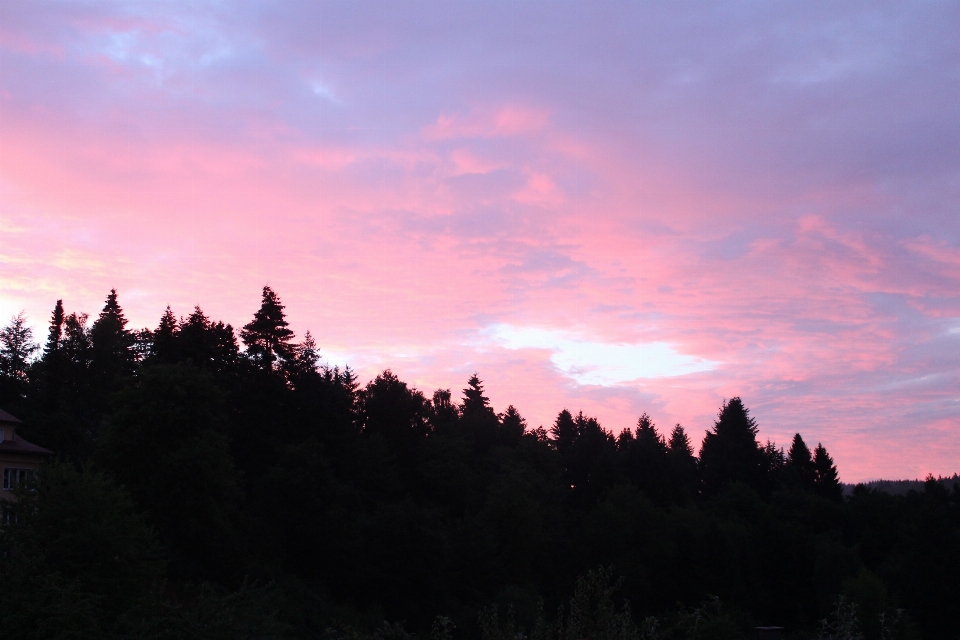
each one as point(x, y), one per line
point(267, 336)
point(564, 431)
point(730, 452)
point(645, 462)
point(51, 368)
point(800, 465)
point(393, 409)
point(512, 425)
point(76, 342)
point(165, 338)
point(303, 365)
point(682, 465)
point(474, 402)
point(827, 479)
point(112, 353)
point(16, 347)
point(55, 335)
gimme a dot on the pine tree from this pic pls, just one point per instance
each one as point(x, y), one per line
point(800, 467)
point(267, 336)
point(165, 338)
point(731, 453)
point(827, 479)
point(55, 334)
point(303, 365)
point(16, 348)
point(644, 458)
point(474, 402)
point(564, 431)
point(52, 367)
point(112, 343)
point(512, 426)
point(682, 464)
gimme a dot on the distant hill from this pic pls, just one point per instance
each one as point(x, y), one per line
point(901, 487)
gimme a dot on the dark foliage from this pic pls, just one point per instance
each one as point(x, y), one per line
point(204, 491)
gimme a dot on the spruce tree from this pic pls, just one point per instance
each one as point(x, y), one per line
point(112, 353)
point(512, 426)
point(730, 452)
point(52, 369)
point(827, 480)
point(644, 459)
point(474, 402)
point(16, 348)
point(165, 338)
point(267, 336)
point(564, 431)
point(76, 343)
point(800, 465)
point(682, 464)
point(55, 334)
point(302, 367)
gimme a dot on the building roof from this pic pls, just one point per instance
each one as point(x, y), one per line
point(6, 417)
point(22, 446)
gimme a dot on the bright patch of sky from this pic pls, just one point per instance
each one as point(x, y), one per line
point(601, 363)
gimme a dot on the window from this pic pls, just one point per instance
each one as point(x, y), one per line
point(13, 477)
point(1, 435)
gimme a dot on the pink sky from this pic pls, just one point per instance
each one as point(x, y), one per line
point(609, 207)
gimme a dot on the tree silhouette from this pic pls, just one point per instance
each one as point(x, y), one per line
point(645, 459)
point(164, 347)
point(444, 414)
point(16, 347)
point(392, 409)
point(266, 336)
point(474, 402)
point(800, 467)
point(827, 480)
point(682, 465)
point(55, 334)
point(730, 453)
point(112, 353)
point(512, 426)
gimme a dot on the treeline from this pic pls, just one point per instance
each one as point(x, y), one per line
point(205, 489)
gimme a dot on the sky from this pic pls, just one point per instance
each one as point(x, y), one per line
point(609, 207)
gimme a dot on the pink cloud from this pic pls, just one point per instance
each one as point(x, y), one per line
point(508, 120)
point(591, 194)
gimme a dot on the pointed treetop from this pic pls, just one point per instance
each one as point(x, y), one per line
point(734, 418)
point(267, 336)
point(799, 454)
point(16, 347)
point(56, 329)
point(112, 312)
point(474, 402)
point(168, 323)
point(827, 479)
point(679, 442)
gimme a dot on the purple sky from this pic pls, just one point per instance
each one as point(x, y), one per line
point(614, 207)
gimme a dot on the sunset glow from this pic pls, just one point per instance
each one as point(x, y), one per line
point(614, 207)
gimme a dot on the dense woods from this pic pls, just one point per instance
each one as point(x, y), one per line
point(208, 489)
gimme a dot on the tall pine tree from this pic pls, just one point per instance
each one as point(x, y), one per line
point(827, 480)
point(800, 467)
point(267, 336)
point(112, 353)
point(730, 452)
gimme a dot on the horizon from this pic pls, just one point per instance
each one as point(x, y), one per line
point(616, 209)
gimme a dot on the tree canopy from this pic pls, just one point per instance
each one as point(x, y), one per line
point(204, 489)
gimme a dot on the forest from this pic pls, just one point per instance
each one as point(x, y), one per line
point(218, 483)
